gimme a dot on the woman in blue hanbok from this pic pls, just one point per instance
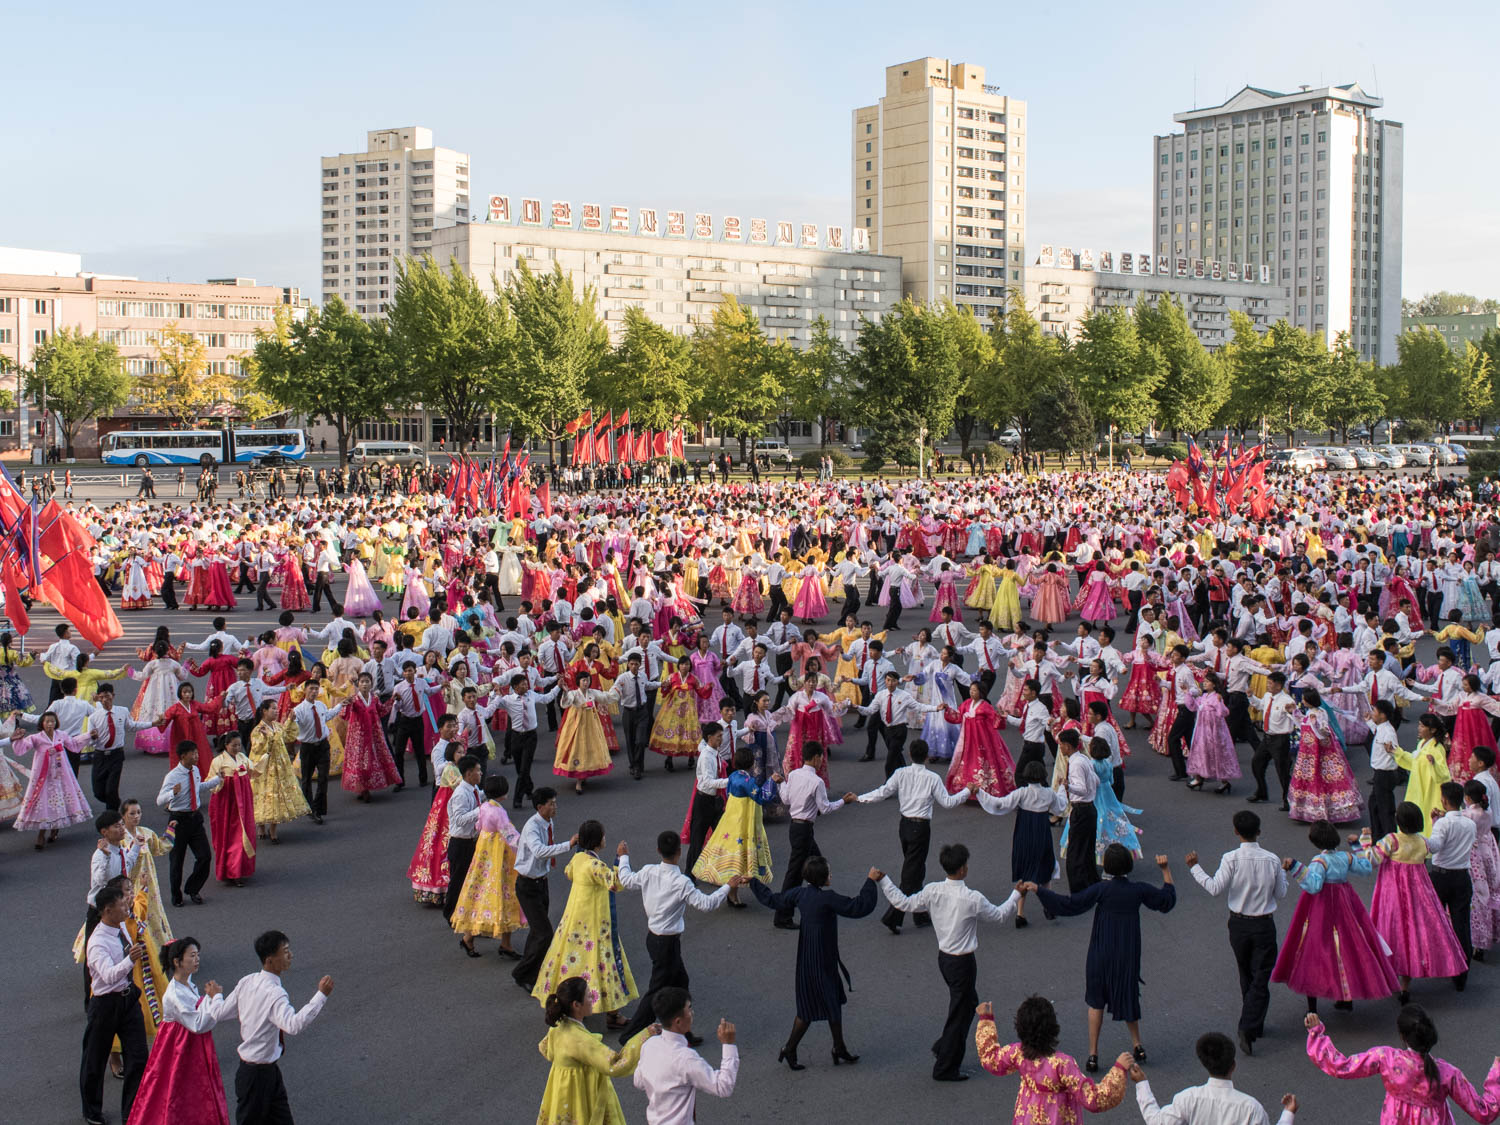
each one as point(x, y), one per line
point(941, 682)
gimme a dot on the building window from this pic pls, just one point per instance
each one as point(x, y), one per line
point(39, 336)
point(4, 335)
point(867, 146)
point(868, 127)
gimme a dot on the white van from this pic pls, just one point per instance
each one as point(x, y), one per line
point(400, 451)
point(773, 450)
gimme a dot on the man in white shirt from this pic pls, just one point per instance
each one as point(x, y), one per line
point(260, 1003)
point(707, 799)
point(231, 643)
point(1278, 719)
point(72, 717)
point(671, 1073)
point(107, 727)
point(323, 568)
point(724, 640)
point(917, 789)
point(806, 798)
point(520, 733)
point(892, 708)
point(956, 910)
point(183, 792)
point(536, 855)
point(1254, 881)
point(666, 893)
point(114, 1008)
point(1083, 819)
point(62, 654)
point(463, 831)
point(245, 695)
point(1216, 1102)
point(634, 690)
point(312, 717)
point(1387, 775)
point(1452, 843)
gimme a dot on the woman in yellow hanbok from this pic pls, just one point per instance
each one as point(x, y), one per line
point(1006, 608)
point(585, 942)
point(578, 1086)
point(487, 903)
point(278, 797)
point(582, 750)
point(738, 843)
point(143, 872)
point(981, 594)
point(88, 678)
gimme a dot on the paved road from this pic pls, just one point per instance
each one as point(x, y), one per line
point(415, 1031)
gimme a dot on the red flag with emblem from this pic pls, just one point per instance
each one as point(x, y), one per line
point(67, 577)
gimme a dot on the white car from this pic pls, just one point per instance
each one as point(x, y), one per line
point(1443, 455)
point(401, 452)
point(1011, 438)
point(1365, 457)
point(1389, 457)
point(773, 450)
point(1336, 458)
point(1417, 454)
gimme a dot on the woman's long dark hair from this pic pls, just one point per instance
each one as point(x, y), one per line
point(1419, 1033)
point(573, 990)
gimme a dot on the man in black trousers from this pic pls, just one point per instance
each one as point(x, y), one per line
point(1083, 818)
point(183, 792)
point(114, 1008)
point(667, 893)
point(956, 910)
point(635, 713)
point(1452, 839)
point(536, 855)
point(806, 798)
point(916, 788)
point(1254, 880)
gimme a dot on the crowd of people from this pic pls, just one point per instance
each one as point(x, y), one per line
point(741, 635)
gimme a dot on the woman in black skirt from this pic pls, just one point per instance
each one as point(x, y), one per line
point(820, 992)
point(1032, 857)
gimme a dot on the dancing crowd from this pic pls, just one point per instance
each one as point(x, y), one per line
point(744, 636)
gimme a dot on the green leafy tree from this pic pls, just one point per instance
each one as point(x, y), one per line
point(1431, 381)
point(83, 376)
point(183, 386)
point(906, 368)
point(651, 373)
point(1391, 387)
point(1117, 374)
point(559, 348)
point(1475, 378)
point(1489, 344)
point(742, 372)
point(816, 384)
point(1194, 387)
point(1242, 409)
point(453, 344)
point(1027, 362)
point(1062, 420)
point(1287, 372)
point(332, 366)
point(1443, 303)
point(1354, 391)
point(974, 350)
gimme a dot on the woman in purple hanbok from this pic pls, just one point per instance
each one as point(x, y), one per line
point(1211, 755)
point(1095, 601)
point(946, 595)
point(706, 667)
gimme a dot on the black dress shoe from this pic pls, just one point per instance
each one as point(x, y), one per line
point(1177, 777)
point(178, 902)
point(197, 900)
point(866, 758)
point(1256, 800)
point(1091, 1064)
point(894, 927)
point(786, 925)
point(1247, 1044)
point(959, 1077)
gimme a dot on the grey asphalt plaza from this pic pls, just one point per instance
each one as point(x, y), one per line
point(417, 1032)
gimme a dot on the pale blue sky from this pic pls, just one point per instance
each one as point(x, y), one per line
point(183, 140)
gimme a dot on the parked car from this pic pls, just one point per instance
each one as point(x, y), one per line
point(1389, 457)
point(1336, 458)
point(1364, 457)
point(1011, 438)
point(1460, 452)
point(773, 450)
point(1417, 454)
point(1296, 461)
point(1442, 454)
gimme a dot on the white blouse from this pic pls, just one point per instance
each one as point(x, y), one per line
point(184, 1004)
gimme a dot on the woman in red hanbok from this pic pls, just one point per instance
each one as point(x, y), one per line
point(428, 870)
point(1143, 689)
point(980, 757)
point(182, 1083)
point(184, 722)
point(219, 669)
point(1471, 726)
point(217, 590)
point(293, 589)
point(812, 713)
point(367, 758)
point(231, 814)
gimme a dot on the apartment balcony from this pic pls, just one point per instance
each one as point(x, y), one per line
point(631, 292)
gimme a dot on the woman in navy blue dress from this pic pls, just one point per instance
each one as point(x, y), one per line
point(820, 991)
point(1113, 971)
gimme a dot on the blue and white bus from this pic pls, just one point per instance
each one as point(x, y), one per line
point(199, 447)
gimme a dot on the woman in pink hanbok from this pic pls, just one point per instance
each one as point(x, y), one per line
point(810, 604)
point(1471, 726)
point(1418, 1086)
point(1211, 754)
point(1096, 600)
point(748, 600)
point(707, 667)
point(367, 758)
point(946, 594)
point(360, 598)
point(1322, 785)
point(1049, 604)
point(812, 714)
point(980, 757)
point(53, 798)
point(1054, 1090)
point(1405, 907)
point(1484, 870)
point(1142, 695)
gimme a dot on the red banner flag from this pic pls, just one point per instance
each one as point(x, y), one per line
point(603, 454)
point(624, 420)
point(643, 446)
point(659, 443)
point(677, 445)
point(15, 608)
point(544, 494)
point(584, 419)
point(67, 579)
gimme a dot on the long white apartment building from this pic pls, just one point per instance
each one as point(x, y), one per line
point(1307, 184)
point(382, 204)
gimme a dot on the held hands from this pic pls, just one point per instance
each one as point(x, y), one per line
point(985, 1011)
point(850, 798)
point(1311, 1021)
point(726, 1033)
point(1190, 859)
point(1026, 887)
point(102, 845)
point(325, 986)
point(1125, 1061)
point(654, 1029)
point(1289, 1102)
point(739, 880)
point(1288, 863)
point(777, 778)
point(212, 989)
point(1136, 1073)
point(573, 840)
point(622, 848)
point(876, 874)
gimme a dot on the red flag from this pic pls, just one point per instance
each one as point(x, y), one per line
point(643, 446)
point(15, 608)
point(659, 443)
point(602, 432)
point(582, 420)
point(544, 494)
point(67, 579)
point(625, 446)
point(1177, 483)
point(624, 420)
point(677, 445)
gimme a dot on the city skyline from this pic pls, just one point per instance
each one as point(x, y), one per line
point(749, 115)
